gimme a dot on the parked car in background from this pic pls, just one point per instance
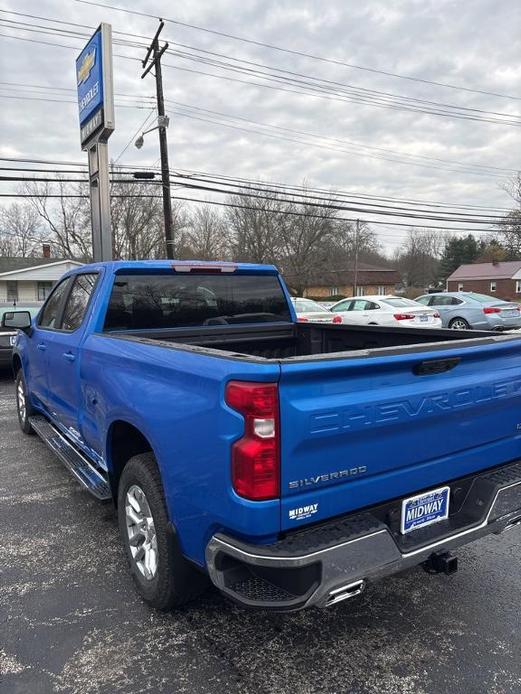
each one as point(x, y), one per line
point(386, 310)
point(470, 311)
point(8, 335)
point(310, 312)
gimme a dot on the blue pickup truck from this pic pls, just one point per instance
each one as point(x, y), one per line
point(290, 464)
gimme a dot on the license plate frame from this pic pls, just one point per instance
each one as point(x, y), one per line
point(422, 510)
point(424, 318)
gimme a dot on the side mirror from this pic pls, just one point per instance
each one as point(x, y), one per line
point(17, 320)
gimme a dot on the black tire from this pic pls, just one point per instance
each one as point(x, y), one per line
point(464, 325)
point(175, 581)
point(26, 411)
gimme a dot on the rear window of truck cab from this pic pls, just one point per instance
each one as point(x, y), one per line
point(152, 301)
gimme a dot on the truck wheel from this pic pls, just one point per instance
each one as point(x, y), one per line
point(459, 324)
point(162, 576)
point(23, 405)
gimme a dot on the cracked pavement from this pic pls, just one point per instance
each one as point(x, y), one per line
point(71, 622)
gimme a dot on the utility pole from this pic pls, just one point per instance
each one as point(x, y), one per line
point(357, 234)
point(156, 54)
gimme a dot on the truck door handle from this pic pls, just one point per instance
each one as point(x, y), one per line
point(42, 347)
point(69, 356)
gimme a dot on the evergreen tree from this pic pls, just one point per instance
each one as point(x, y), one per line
point(458, 251)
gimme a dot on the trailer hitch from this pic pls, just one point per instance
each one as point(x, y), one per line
point(441, 563)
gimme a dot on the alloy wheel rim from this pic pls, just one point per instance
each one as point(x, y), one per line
point(459, 325)
point(20, 396)
point(141, 532)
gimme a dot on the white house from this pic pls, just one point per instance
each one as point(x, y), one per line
point(31, 279)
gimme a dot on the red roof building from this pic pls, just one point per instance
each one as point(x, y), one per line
point(501, 279)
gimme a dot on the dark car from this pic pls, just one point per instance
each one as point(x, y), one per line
point(8, 335)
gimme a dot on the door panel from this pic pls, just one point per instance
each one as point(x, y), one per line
point(63, 356)
point(38, 366)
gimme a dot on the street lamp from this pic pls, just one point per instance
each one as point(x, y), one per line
point(162, 122)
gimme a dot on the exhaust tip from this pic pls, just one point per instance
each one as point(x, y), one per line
point(513, 523)
point(345, 592)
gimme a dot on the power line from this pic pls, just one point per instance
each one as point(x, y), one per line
point(257, 209)
point(341, 193)
point(139, 130)
point(300, 53)
point(210, 177)
point(349, 142)
point(328, 197)
point(329, 205)
point(64, 101)
point(293, 190)
point(317, 85)
point(351, 93)
point(402, 158)
point(297, 198)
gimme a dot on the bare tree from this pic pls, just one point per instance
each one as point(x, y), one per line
point(254, 224)
point(510, 226)
point(137, 219)
point(21, 233)
point(305, 240)
point(66, 218)
point(206, 236)
point(7, 246)
point(136, 214)
point(419, 257)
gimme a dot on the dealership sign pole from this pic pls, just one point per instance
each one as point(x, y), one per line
point(96, 107)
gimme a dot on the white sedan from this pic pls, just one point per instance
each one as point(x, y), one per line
point(386, 310)
point(310, 312)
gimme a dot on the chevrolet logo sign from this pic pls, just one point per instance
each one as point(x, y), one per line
point(86, 66)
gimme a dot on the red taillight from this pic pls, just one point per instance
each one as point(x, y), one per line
point(301, 319)
point(256, 455)
point(436, 315)
point(404, 316)
point(491, 309)
point(337, 319)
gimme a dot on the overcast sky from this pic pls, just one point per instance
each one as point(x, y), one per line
point(474, 44)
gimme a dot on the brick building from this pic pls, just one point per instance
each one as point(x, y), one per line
point(370, 279)
point(501, 279)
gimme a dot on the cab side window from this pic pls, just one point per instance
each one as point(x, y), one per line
point(78, 301)
point(442, 301)
point(425, 300)
point(51, 311)
point(359, 305)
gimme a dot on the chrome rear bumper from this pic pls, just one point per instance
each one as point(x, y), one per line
point(324, 564)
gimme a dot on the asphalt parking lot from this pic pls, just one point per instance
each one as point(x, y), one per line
point(71, 622)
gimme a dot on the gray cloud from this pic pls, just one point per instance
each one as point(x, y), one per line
point(475, 44)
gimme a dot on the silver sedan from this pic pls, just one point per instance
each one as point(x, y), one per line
point(468, 310)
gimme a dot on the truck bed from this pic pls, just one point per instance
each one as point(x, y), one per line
point(304, 341)
point(370, 413)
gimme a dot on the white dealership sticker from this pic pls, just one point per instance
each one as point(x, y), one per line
point(303, 512)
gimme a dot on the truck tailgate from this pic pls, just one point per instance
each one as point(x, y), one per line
point(359, 431)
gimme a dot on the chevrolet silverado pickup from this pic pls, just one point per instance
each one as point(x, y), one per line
point(290, 464)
